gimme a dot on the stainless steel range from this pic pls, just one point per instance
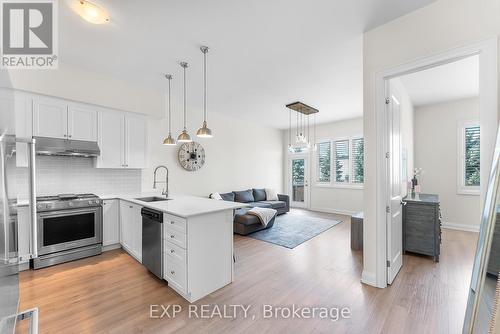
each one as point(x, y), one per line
point(69, 228)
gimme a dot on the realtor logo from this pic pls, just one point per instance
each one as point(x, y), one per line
point(29, 34)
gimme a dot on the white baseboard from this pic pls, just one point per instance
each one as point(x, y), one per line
point(369, 278)
point(111, 247)
point(335, 211)
point(24, 266)
point(460, 227)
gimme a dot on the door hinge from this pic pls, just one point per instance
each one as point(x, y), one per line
point(387, 155)
point(387, 100)
point(387, 209)
point(388, 264)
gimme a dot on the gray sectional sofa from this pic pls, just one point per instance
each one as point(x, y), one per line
point(245, 223)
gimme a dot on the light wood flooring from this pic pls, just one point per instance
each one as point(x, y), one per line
point(112, 293)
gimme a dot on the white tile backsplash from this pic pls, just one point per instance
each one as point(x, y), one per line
point(61, 175)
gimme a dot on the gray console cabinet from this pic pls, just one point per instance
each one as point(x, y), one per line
point(422, 225)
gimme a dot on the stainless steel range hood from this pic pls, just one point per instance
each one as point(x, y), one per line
point(69, 148)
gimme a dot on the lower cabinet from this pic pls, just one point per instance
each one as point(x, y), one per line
point(175, 252)
point(110, 222)
point(131, 229)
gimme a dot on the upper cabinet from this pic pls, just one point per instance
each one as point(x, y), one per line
point(122, 140)
point(56, 118)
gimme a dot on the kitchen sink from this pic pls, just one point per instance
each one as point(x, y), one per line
point(153, 199)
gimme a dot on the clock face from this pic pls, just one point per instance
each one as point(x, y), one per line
point(191, 156)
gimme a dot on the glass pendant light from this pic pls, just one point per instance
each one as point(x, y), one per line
point(204, 131)
point(184, 136)
point(169, 140)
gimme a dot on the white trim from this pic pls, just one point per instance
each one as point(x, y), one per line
point(488, 83)
point(368, 278)
point(24, 266)
point(460, 227)
point(111, 247)
point(462, 189)
point(335, 211)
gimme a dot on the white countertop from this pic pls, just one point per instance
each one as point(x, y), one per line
point(180, 205)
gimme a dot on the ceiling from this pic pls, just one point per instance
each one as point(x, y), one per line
point(454, 81)
point(264, 54)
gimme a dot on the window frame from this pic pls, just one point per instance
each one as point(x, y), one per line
point(463, 189)
point(333, 183)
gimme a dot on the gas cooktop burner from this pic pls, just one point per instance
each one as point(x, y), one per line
point(67, 201)
point(65, 197)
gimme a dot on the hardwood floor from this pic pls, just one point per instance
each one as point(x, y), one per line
point(112, 293)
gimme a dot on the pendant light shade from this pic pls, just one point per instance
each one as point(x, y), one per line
point(184, 137)
point(204, 131)
point(169, 140)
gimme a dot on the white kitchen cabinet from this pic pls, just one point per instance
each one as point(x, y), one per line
point(82, 123)
point(56, 118)
point(23, 233)
point(122, 140)
point(111, 222)
point(50, 118)
point(111, 140)
point(131, 229)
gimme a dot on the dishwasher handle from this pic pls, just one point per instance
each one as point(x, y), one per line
point(154, 215)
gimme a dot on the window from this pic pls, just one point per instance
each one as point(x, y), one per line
point(469, 158)
point(358, 160)
point(342, 161)
point(324, 161)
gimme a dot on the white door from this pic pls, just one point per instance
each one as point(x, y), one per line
point(82, 124)
point(110, 222)
point(111, 133)
point(135, 141)
point(50, 118)
point(298, 176)
point(395, 212)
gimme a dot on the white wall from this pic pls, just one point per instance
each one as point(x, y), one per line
point(241, 155)
point(431, 30)
point(407, 128)
point(436, 152)
point(330, 198)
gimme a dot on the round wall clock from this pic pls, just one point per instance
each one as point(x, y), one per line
point(191, 156)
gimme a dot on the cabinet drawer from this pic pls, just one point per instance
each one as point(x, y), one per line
point(175, 252)
point(175, 237)
point(174, 223)
point(175, 274)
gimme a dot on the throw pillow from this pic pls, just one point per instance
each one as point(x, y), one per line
point(271, 195)
point(216, 196)
point(245, 196)
point(259, 195)
point(227, 197)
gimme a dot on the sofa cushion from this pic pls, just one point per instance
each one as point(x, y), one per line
point(275, 204)
point(245, 196)
point(259, 195)
point(227, 197)
point(259, 204)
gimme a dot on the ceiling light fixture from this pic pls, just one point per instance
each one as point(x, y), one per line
point(169, 140)
point(92, 13)
point(204, 131)
point(184, 136)
point(302, 127)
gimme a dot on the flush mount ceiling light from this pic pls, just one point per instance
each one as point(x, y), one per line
point(92, 13)
point(169, 140)
point(204, 131)
point(184, 137)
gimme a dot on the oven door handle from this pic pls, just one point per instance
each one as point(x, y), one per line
point(32, 185)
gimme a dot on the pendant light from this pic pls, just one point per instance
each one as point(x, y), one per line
point(184, 136)
point(204, 131)
point(169, 140)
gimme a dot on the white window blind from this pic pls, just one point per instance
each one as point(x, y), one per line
point(324, 161)
point(342, 161)
point(472, 156)
point(358, 160)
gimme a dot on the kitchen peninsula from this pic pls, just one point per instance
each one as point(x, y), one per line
point(197, 238)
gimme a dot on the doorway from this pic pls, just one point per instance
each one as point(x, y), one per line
point(298, 176)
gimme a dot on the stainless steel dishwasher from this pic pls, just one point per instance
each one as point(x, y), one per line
point(152, 245)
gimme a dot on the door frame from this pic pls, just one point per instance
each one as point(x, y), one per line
point(307, 173)
point(488, 82)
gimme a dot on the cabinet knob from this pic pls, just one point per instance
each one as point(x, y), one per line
point(130, 206)
point(172, 272)
point(172, 236)
point(172, 223)
point(172, 251)
point(69, 136)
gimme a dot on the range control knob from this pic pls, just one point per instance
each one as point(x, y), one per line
point(70, 204)
point(39, 206)
point(90, 202)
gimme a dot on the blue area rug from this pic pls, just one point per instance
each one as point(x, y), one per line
point(290, 230)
